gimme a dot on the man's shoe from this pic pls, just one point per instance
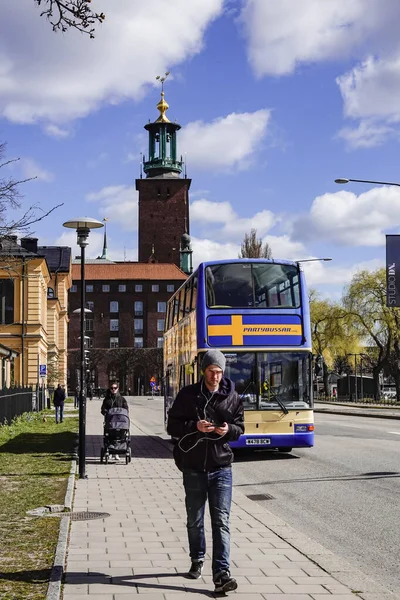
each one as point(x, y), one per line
point(117, 457)
point(196, 569)
point(225, 583)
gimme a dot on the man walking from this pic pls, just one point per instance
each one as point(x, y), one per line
point(58, 401)
point(204, 417)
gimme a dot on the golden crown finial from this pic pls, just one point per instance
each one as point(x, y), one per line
point(163, 105)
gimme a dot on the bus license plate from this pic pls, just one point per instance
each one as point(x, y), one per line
point(258, 442)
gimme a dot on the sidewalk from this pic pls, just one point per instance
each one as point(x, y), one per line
point(141, 548)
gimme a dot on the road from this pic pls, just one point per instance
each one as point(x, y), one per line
point(344, 493)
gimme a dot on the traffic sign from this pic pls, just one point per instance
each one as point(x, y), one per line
point(152, 384)
point(42, 370)
point(152, 379)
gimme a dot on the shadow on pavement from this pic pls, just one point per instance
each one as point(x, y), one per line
point(247, 455)
point(142, 446)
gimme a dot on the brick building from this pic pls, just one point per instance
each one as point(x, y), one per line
point(128, 299)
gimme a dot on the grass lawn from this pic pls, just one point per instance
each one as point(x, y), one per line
point(35, 461)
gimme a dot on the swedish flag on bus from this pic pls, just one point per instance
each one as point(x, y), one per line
point(254, 330)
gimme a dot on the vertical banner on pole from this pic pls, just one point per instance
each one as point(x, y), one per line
point(393, 270)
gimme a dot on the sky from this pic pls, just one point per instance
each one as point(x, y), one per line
point(276, 100)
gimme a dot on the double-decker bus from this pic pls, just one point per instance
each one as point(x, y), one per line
point(256, 311)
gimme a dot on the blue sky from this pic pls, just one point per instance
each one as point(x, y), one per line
point(275, 100)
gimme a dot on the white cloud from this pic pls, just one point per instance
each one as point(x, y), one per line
point(344, 218)
point(225, 143)
point(284, 247)
point(119, 204)
point(284, 34)
point(56, 131)
point(30, 168)
point(372, 89)
point(321, 273)
point(205, 249)
point(206, 211)
point(367, 134)
point(207, 214)
point(50, 78)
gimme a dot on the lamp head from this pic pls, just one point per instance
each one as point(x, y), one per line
point(83, 225)
point(342, 180)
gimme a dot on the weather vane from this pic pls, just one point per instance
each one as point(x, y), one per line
point(162, 79)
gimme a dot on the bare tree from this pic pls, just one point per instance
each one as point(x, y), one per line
point(67, 14)
point(252, 247)
point(10, 199)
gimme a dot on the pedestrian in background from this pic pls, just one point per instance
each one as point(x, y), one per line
point(113, 399)
point(58, 401)
point(205, 417)
point(76, 397)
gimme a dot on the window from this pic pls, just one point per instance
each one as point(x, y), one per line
point(73, 289)
point(114, 342)
point(122, 288)
point(90, 306)
point(138, 287)
point(89, 324)
point(138, 325)
point(160, 324)
point(50, 292)
point(89, 287)
point(114, 325)
point(89, 343)
point(155, 287)
point(170, 288)
point(105, 288)
point(160, 342)
point(138, 342)
point(7, 301)
point(244, 285)
point(139, 308)
point(161, 307)
point(114, 306)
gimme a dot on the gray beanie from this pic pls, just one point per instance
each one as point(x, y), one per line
point(213, 357)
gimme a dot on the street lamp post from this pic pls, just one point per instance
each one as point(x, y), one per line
point(83, 225)
point(343, 180)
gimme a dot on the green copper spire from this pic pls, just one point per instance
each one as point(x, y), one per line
point(162, 160)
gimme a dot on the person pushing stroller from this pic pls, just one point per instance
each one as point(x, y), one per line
point(113, 399)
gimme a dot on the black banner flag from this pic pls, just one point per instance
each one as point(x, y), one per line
point(393, 270)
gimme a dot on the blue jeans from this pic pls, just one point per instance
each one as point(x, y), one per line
point(217, 487)
point(60, 409)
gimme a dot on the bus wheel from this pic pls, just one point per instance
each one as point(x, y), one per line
point(285, 449)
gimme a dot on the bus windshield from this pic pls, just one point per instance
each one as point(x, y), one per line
point(252, 285)
point(264, 380)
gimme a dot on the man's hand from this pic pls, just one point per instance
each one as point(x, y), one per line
point(205, 426)
point(222, 429)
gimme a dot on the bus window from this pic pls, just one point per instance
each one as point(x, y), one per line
point(194, 293)
point(283, 375)
point(229, 286)
point(276, 285)
point(240, 368)
point(176, 308)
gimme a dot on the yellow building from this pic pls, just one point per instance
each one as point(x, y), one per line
point(34, 283)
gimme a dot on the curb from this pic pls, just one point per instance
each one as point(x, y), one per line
point(355, 413)
point(57, 571)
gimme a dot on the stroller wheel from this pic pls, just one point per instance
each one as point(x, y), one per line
point(106, 457)
point(128, 456)
point(102, 455)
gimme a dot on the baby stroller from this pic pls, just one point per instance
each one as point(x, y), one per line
point(116, 438)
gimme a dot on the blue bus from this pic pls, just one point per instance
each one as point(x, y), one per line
point(256, 311)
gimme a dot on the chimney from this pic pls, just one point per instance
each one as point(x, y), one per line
point(30, 244)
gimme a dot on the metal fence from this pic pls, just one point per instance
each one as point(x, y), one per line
point(383, 401)
point(16, 401)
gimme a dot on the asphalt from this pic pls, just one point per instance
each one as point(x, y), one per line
point(140, 545)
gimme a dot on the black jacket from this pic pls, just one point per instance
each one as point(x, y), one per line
point(113, 401)
point(59, 396)
point(205, 451)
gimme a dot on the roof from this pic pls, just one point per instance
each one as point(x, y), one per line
point(10, 247)
point(58, 258)
point(93, 261)
point(129, 270)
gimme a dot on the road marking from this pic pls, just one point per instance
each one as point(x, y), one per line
point(394, 432)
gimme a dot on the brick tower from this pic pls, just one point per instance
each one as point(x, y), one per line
point(163, 194)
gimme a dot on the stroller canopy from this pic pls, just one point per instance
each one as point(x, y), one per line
point(117, 418)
